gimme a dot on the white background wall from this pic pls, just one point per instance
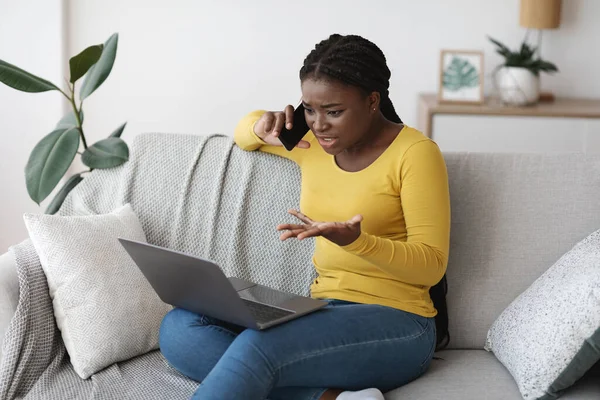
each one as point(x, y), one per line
point(30, 37)
point(196, 67)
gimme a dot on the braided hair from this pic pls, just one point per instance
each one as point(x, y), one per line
point(355, 61)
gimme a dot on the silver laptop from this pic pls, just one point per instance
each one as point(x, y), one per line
point(200, 286)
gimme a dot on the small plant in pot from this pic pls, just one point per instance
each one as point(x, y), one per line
point(518, 78)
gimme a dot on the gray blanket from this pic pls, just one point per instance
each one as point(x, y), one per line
point(197, 194)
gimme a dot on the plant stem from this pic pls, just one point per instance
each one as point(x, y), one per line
point(77, 116)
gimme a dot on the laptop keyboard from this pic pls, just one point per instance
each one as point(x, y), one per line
point(264, 313)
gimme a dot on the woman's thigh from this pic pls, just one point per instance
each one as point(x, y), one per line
point(345, 345)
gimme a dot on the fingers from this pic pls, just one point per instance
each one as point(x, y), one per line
point(290, 234)
point(312, 232)
point(287, 227)
point(300, 216)
point(357, 219)
point(279, 122)
point(303, 144)
point(289, 116)
point(268, 122)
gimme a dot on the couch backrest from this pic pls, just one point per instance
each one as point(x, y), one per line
point(513, 216)
point(205, 196)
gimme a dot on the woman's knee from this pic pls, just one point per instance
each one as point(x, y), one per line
point(174, 331)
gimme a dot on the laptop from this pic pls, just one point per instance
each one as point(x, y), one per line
point(200, 286)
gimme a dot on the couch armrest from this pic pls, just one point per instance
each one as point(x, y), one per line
point(9, 292)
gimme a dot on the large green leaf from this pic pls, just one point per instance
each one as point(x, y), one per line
point(22, 80)
point(69, 120)
point(100, 71)
point(106, 153)
point(118, 131)
point(82, 62)
point(460, 73)
point(57, 201)
point(48, 162)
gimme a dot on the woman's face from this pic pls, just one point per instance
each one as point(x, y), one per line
point(339, 115)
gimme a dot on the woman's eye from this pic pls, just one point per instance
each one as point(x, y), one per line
point(309, 111)
point(336, 113)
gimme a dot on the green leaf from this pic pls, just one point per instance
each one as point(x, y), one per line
point(100, 71)
point(547, 66)
point(117, 133)
point(22, 80)
point(460, 73)
point(48, 162)
point(106, 153)
point(503, 53)
point(82, 62)
point(69, 120)
point(527, 52)
point(500, 45)
point(60, 197)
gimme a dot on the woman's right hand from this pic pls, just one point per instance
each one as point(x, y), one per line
point(270, 124)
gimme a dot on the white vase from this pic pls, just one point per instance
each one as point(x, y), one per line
point(518, 86)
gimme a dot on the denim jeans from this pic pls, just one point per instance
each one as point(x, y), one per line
point(345, 345)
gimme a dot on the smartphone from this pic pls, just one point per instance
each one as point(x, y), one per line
point(291, 137)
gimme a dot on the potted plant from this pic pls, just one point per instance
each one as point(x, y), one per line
point(518, 78)
point(51, 158)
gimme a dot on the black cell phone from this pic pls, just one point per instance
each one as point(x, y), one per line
point(290, 138)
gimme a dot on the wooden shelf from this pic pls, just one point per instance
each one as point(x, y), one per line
point(561, 107)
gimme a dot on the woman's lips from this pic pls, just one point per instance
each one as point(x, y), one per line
point(327, 141)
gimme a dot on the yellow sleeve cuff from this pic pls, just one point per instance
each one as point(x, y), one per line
point(358, 246)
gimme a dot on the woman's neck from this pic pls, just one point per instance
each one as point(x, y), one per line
point(376, 136)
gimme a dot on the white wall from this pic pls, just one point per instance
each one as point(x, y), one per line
point(196, 67)
point(30, 37)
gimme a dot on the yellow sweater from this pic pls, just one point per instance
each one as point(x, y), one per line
point(404, 199)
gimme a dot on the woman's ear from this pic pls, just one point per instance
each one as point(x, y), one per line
point(374, 101)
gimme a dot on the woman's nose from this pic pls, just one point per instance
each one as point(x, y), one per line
point(320, 124)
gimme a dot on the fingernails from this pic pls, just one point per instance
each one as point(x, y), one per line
point(275, 133)
point(288, 125)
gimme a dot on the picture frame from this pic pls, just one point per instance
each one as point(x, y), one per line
point(461, 77)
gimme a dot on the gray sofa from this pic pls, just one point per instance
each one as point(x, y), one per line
point(513, 216)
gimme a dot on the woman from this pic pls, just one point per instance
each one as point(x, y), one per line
point(375, 197)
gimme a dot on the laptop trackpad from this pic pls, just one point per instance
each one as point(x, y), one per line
point(240, 284)
point(266, 295)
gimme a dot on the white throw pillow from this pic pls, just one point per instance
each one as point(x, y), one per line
point(104, 307)
point(549, 336)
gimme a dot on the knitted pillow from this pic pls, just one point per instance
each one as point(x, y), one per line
point(103, 305)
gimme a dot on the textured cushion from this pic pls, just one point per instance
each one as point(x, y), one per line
point(477, 374)
point(9, 293)
point(104, 307)
point(513, 216)
point(550, 335)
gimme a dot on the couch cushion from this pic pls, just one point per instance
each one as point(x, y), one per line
point(476, 374)
point(513, 216)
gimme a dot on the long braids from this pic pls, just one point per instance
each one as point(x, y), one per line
point(353, 60)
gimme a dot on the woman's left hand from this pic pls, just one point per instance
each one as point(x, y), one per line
point(340, 233)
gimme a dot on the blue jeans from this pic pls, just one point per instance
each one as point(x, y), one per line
point(345, 345)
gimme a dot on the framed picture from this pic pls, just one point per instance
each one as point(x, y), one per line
point(461, 76)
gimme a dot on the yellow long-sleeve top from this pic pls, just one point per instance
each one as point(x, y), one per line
point(404, 199)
